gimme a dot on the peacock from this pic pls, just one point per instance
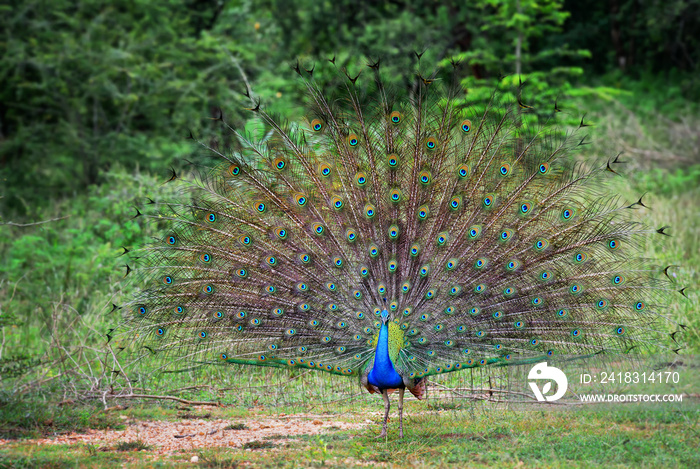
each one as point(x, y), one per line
point(392, 236)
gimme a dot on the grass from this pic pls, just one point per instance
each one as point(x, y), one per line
point(258, 445)
point(622, 437)
point(41, 415)
point(237, 426)
point(136, 445)
point(677, 209)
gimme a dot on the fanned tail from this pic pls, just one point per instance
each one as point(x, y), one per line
point(484, 240)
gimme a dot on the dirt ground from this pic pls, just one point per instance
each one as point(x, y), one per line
point(185, 435)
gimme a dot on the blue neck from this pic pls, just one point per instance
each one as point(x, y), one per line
point(383, 375)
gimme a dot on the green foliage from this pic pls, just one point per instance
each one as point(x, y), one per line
point(506, 56)
point(516, 24)
point(88, 85)
point(85, 86)
point(77, 254)
point(672, 94)
point(33, 415)
point(57, 273)
point(668, 183)
point(634, 36)
point(16, 364)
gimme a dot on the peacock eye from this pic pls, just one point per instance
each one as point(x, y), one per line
point(324, 169)
point(423, 212)
point(279, 163)
point(525, 208)
point(462, 171)
point(425, 177)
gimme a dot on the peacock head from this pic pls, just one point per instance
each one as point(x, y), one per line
point(385, 316)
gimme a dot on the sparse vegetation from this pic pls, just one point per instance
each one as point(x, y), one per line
point(258, 445)
point(236, 426)
point(136, 445)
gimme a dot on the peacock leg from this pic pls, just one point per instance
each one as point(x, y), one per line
point(401, 391)
point(385, 395)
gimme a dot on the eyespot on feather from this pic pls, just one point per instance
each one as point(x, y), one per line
point(300, 199)
point(424, 177)
point(279, 163)
point(324, 169)
point(462, 171)
point(392, 160)
point(337, 203)
point(504, 170)
point(423, 212)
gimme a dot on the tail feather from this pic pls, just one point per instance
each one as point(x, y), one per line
point(478, 233)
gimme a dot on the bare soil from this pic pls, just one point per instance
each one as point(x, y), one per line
point(191, 434)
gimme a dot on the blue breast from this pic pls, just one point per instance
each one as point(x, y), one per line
point(383, 375)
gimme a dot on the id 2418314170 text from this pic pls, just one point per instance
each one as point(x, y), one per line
point(630, 377)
